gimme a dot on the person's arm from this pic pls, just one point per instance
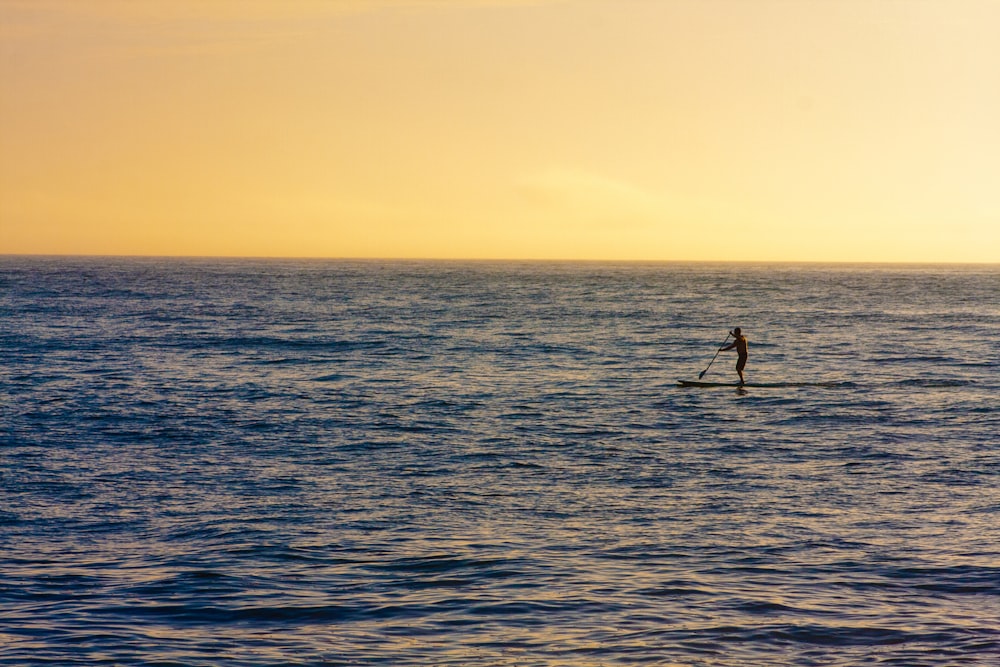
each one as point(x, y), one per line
point(729, 347)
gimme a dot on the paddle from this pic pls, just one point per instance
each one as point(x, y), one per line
point(702, 374)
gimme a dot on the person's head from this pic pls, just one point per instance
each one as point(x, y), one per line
point(737, 332)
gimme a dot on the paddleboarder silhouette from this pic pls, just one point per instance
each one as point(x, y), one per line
point(740, 344)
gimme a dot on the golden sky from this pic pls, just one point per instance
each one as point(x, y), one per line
point(805, 130)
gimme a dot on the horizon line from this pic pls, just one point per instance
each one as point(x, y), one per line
point(536, 260)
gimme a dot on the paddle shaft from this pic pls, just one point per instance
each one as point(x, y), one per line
point(702, 374)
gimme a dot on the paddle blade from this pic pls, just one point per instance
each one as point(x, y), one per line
point(702, 374)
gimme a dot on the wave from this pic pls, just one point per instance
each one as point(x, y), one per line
point(934, 383)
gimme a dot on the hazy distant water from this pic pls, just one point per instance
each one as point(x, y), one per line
point(337, 463)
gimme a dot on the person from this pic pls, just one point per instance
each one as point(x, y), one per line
point(740, 344)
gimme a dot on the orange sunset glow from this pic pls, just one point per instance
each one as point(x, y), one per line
point(812, 130)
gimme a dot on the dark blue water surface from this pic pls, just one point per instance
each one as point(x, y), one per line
point(222, 462)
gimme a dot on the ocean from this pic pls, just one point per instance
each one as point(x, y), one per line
point(304, 462)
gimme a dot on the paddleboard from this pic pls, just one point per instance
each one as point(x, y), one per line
point(763, 385)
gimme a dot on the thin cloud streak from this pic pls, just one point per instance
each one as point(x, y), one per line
point(579, 199)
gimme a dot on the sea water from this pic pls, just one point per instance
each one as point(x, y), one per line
point(235, 462)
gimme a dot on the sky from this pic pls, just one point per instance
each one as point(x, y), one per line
point(732, 130)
